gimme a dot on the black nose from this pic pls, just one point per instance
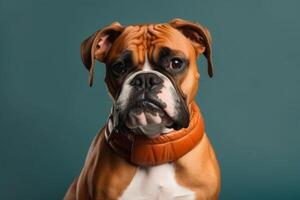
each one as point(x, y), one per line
point(146, 81)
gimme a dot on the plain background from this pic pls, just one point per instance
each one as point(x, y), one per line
point(49, 115)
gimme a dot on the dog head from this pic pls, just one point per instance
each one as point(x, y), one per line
point(151, 72)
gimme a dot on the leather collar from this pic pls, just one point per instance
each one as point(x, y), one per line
point(143, 151)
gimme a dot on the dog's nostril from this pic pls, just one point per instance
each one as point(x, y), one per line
point(137, 82)
point(155, 80)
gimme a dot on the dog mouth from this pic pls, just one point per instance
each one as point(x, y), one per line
point(147, 112)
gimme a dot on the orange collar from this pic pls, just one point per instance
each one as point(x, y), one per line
point(168, 147)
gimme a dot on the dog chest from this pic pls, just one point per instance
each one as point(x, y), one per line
point(156, 183)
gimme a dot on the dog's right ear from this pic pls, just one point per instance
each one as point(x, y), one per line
point(98, 45)
point(199, 36)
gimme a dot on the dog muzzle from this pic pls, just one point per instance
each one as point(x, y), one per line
point(143, 151)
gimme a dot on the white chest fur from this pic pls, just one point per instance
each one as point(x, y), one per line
point(156, 183)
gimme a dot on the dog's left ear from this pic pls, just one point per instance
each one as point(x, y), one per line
point(199, 36)
point(98, 45)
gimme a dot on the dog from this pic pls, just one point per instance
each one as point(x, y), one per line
point(153, 146)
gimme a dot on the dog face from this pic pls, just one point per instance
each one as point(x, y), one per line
point(151, 72)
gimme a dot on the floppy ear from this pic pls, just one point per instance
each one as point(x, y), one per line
point(200, 38)
point(97, 46)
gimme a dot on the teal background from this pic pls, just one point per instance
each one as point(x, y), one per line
point(49, 115)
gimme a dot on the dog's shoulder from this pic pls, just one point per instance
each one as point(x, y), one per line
point(199, 170)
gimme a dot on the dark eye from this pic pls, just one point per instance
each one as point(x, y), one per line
point(176, 63)
point(119, 68)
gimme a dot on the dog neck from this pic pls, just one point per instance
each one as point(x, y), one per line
point(143, 151)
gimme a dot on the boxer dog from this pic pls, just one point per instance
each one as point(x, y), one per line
point(153, 145)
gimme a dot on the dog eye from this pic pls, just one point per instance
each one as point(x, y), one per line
point(119, 68)
point(176, 63)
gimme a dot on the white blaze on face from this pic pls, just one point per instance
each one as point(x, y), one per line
point(149, 123)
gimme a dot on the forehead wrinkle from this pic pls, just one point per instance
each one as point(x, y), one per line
point(136, 43)
point(133, 38)
point(163, 35)
point(147, 39)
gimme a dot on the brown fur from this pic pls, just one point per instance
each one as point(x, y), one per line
point(105, 175)
point(199, 171)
